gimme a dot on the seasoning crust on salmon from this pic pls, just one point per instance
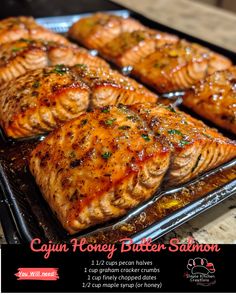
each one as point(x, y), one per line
point(215, 99)
point(178, 66)
point(195, 147)
point(42, 99)
point(129, 48)
point(98, 167)
point(98, 29)
point(106, 162)
point(18, 57)
point(22, 27)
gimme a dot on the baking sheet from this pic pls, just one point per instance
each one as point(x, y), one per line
point(27, 215)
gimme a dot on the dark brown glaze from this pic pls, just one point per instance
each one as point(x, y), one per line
point(179, 66)
point(214, 98)
point(17, 57)
point(129, 48)
point(98, 167)
point(22, 27)
point(100, 28)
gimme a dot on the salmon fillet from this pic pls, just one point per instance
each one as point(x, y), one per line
point(179, 66)
point(109, 87)
point(215, 99)
point(98, 167)
point(18, 57)
point(106, 162)
point(129, 48)
point(195, 147)
point(40, 100)
point(22, 27)
point(100, 28)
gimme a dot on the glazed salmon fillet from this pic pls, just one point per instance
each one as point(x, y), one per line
point(100, 28)
point(109, 87)
point(215, 99)
point(17, 57)
point(179, 66)
point(42, 99)
point(98, 166)
point(195, 147)
point(21, 27)
point(129, 48)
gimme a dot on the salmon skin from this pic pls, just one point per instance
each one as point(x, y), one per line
point(102, 164)
point(22, 27)
point(42, 99)
point(179, 66)
point(214, 98)
point(100, 28)
point(17, 57)
point(129, 48)
point(98, 167)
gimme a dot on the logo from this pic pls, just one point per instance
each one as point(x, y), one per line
point(200, 271)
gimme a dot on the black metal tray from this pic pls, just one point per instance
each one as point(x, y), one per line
point(25, 215)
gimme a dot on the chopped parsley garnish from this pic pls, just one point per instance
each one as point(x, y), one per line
point(81, 66)
point(60, 69)
point(125, 127)
point(105, 110)
point(106, 155)
point(182, 143)
point(26, 40)
point(132, 118)
point(110, 121)
point(146, 137)
point(15, 49)
point(174, 131)
point(36, 84)
point(171, 108)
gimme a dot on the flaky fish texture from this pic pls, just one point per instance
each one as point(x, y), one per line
point(103, 163)
point(195, 147)
point(98, 29)
point(98, 167)
point(215, 99)
point(17, 57)
point(129, 48)
point(42, 99)
point(22, 27)
point(179, 66)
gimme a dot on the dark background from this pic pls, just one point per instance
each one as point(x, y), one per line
point(41, 8)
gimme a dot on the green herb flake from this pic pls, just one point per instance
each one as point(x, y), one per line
point(60, 69)
point(182, 143)
point(106, 155)
point(171, 108)
point(81, 66)
point(125, 127)
point(110, 121)
point(146, 137)
point(174, 131)
point(36, 84)
point(16, 49)
point(105, 110)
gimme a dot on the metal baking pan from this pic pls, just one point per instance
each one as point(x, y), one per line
point(26, 215)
